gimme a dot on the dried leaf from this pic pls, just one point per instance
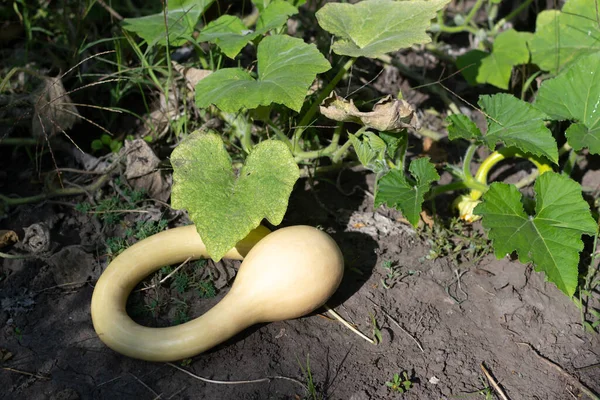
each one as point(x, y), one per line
point(7, 238)
point(192, 75)
point(142, 170)
point(389, 114)
point(53, 111)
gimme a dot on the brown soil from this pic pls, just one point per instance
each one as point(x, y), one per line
point(454, 317)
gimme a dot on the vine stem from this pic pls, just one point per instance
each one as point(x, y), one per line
point(465, 25)
point(307, 118)
point(512, 14)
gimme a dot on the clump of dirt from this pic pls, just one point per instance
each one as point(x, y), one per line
point(440, 320)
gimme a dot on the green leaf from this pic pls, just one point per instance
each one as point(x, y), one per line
point(469, 64)
point(231, 35)
point(225, 208)
point(575, 95)
point(579, 136)
point(370, 150)
point(371, 28)
point(395, 190)
point(561, 37)
point(510, 49)
point(517, 123)
point(262, 4)
point(275, 15)
point(182, 17)
point(461, 127)
point(552, 238)
point(286, 68)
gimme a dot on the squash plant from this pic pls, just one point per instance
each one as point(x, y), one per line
point(546, 231)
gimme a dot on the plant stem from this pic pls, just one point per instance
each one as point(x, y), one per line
point(465, 25)
point(323, 152)
point(467, 162)
point(307, 118)
point(513, 13)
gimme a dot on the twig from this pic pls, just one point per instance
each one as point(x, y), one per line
point(564, 373)
point(163, 280)
point(15, 256)
point(26, 373)
point(112, 12)
point(9, 201)
point(347, 325)
point(61, 285)
point(267, 379)
point(156, 395)
point(399, 326)
point(493, 382)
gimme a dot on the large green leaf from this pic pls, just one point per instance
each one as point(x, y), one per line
point(575, 95)
point(552, 238)
point(286, 68)
point(182, 17)
point(510, 49)
point(395, 190)
point(231, 35)
point(517, 123)
point(225, 208)
point(371, 28)
point(561, 37)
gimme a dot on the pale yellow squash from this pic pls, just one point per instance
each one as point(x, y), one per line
point(285, 274)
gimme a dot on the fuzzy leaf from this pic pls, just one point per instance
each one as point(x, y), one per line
point(182, 17)
point(461, 127)
point(370, 150)
point(231, 35)
point(371, 28)
point(517, 123)
point(286, 68)
point(575, 95)
point(397, 191)
point(552, 238)
point(561, 37)
point(225, 208)
point(510, 49)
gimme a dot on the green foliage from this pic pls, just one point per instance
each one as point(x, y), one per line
point(495, 68)
point(551, 239)
point(400, 384)
point(371, 151)
point(516, 123)
point(225, 208)
point(206, 289)
point(561, 37)
point(575, 95)
point(372, 28)
point(396, 190)
point(282, 79)
point(182, 17)
point(231, 35)
point(512, 122)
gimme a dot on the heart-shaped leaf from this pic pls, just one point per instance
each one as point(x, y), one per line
point(225, 208)
point(371, 28)
point(286, 68)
